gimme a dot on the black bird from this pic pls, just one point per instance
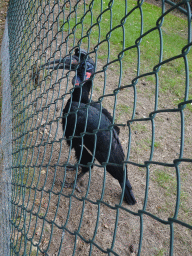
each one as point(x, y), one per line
point(87, 130)
point(84, 65)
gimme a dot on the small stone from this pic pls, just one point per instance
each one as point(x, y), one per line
point(106, 226)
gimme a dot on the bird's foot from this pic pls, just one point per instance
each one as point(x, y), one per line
point(71, 168)
point(71, 185)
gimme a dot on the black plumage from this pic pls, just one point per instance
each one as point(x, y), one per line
point(84, 72)
point(90, 132)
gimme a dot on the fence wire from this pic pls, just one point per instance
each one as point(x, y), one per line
point(5, 150)
point(142, 73)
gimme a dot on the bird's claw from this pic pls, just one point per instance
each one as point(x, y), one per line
point(71, 185)
point(70, 168)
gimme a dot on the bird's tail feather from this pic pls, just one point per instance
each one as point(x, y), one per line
point(128, 195)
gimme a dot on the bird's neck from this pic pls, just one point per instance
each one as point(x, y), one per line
point(81, 94)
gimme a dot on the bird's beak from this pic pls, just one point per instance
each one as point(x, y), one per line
point(68, 63)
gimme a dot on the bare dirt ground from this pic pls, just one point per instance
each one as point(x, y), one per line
point(3, 11)
point(50, 206)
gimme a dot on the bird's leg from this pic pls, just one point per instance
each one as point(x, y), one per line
point(85, 158)
point(71, 185)
point(70, 167)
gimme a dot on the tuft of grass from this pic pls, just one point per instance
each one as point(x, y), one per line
point(157, 144)
point(97, 89)
point(169, 183)
point(34, 252)
point(180, 99)
point(139, 127)
point(161, 252)
point(166, 181)
point(122, 109)
point(41, 214)
point(163, 178)
point(143, 145)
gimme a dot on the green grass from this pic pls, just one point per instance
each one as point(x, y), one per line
point(168, 182)
point(174, 31)
point(139, 127)
point(161, 252)
point(157, 144)
point(143, 145)
point(165, 180)
point(122, 109)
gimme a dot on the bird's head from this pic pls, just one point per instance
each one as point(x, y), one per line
point(80, 62)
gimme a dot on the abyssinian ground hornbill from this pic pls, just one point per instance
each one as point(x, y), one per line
point(88, 131)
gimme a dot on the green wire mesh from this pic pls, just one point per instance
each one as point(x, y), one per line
point(145, 85)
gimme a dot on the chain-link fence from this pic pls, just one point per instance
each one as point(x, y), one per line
point(100, 88)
